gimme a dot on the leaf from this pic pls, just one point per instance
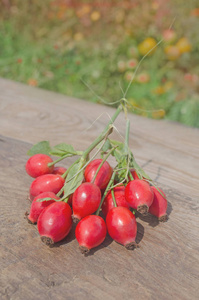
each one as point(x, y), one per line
point(41, 147)
point(62, 150)
point(107, 146)
point(116, 143)
point(74, 179)
point(139, 170)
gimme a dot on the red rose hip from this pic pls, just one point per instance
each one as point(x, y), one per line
point(37, 207)
point(59, 170)
point(159, 206)
point(90, 232)
point(46, 183)
point(86, 200)
point(37, 165)
point(119, 193)
point(139, 195)
point(103, 176)
point(122, 227)
point(55, 222)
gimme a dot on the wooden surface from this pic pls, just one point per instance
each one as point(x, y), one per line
point(167, 264)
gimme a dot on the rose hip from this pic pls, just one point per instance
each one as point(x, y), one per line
point(103, 176)
point(55, 222)
point(38, 207)
point(86, 200)
point(90, 232)
point(122, 226)
point(159, 206)
point(59, 170)
point(37, 165)
point(139, 195)
point(119, 193)
point(46, 183)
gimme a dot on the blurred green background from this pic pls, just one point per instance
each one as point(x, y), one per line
point(91, 49)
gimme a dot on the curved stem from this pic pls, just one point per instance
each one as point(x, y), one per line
point(63, 157)
point(126, 145)
point(108, 129)
point(103, 161)
point(113, 196)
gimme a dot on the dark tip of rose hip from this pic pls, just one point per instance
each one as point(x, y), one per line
point(131, 246)
point(143, 209)
point(75, 219)
point(26, 216)
point(28, 198)
point(48, 241)
point(84, 250)
point(163, 218)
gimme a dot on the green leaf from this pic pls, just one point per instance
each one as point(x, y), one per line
point(41, 147)
point(107, 146)
point(62, 150)
point(74, 178)
point(119, 152)
point(139, 170)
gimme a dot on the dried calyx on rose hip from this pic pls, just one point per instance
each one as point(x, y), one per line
point(89, 186)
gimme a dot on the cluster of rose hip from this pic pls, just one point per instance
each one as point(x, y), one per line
point(97, 193)
point(90, 192)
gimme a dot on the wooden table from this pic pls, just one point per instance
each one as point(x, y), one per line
point(166, 264)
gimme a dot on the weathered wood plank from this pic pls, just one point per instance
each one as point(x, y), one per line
point(166, 265)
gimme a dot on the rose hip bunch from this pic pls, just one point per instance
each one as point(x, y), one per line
point(78, 194)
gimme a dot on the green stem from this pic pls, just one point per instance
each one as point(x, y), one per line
point(126, 145)
point(63, 157)
point(104, 159)
point(105, 192)
point(108, 129)
point(113, 196)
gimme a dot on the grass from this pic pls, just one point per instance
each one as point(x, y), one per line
point(93, 46)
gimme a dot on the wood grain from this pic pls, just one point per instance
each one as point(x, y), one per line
point(167, 263)
point(165, 266)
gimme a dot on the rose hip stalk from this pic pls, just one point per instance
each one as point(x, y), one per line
point(122, 226)
point(90, 232)
point(38, 165)
point(86, 200)
point(37, 207)
point(134, 173)
point(46, 183)
point(139, 195)
point(55, 222)
point(119, 193)
point(159, 206)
